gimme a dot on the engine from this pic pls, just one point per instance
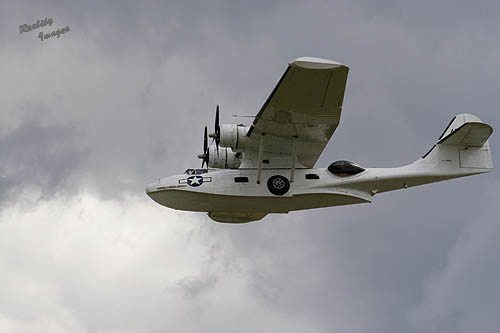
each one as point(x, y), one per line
point(224, 159)
point(227, 137)
point(233, 136)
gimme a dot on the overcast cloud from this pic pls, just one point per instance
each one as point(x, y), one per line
point(87, 119)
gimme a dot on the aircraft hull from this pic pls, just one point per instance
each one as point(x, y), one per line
point(209, 202)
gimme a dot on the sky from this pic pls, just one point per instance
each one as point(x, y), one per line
point(121, 99)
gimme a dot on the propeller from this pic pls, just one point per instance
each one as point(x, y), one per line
point(216, 135)
point(204, 156)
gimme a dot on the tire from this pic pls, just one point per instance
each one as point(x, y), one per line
point(278, 185)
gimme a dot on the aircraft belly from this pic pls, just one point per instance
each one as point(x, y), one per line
point(210, 202)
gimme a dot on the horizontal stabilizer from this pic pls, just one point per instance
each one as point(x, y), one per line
point(466, 130)
point(472, 134)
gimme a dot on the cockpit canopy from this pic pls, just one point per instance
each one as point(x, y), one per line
point(344, 168)
point(195, 171)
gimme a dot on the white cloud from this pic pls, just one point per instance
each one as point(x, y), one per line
point(84, 264)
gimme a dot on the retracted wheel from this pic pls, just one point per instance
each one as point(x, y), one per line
point(278, 185)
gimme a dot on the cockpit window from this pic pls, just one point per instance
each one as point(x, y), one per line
point(189, 172)
point(344, 168)
point(195, 171)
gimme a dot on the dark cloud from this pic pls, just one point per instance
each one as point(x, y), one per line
point(39, 157)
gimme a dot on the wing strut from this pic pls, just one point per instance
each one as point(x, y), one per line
point(261, 151)
point(294, 158)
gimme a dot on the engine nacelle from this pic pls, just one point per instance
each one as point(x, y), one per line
point(225, 159)
point(233, 136)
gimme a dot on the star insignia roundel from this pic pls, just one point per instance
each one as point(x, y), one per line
point(195, 181)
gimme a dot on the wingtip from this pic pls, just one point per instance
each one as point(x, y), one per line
point(316, 63)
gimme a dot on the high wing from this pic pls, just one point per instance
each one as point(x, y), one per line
point(305, 104)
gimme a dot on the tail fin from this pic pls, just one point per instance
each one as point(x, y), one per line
point(463, 148)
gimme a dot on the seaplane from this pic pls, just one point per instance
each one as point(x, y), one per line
point(248, 172)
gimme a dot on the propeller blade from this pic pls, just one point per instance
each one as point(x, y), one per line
point(205, 149)
point(204, 156)
point(205, 141)
point(217, 128)
point(217, 118)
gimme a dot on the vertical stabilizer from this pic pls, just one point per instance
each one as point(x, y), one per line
point(463, 148)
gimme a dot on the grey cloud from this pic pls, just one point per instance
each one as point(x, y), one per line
point(462, 295)
point(194, 288)
point(39, 157)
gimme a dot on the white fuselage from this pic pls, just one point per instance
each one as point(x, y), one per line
point(218, 191)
